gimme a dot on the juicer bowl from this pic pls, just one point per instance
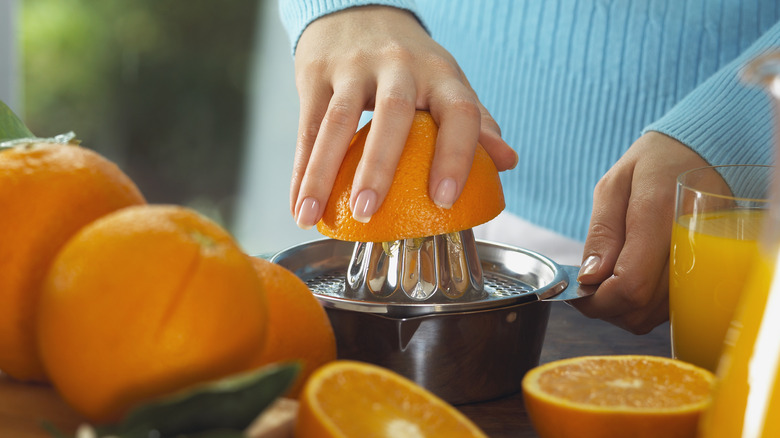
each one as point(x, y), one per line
point(464, 352)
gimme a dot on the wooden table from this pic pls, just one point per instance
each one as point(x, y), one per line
point(23, 406)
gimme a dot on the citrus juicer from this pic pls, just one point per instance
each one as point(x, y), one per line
point(436, 270)
point(463, 318)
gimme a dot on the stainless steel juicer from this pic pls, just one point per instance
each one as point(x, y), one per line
point(463, 318)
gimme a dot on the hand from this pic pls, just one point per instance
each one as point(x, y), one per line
point(381, 59)
point(627, 248)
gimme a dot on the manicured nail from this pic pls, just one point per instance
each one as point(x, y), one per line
point(365, 206)
point(445, 193)
point(308, 213)
point(589, 266)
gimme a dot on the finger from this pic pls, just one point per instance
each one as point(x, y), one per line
point(311, 114)
point(641, 321)
point(503, 156)
point(633, 296)
point(315, 91)
point(638, 318)
point(458, 118)
point(336, 130)
point(606, 232)
point(393, 115)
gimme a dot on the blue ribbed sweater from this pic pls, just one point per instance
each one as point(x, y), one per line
point(573, 83)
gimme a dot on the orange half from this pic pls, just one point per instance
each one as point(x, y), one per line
point(354, 399)
point(408, 211)
point(613, 396)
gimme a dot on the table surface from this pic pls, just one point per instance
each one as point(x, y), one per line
point(569, 334)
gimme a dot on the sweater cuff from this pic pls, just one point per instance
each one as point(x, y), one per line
point(296, 15)
point(725, 120)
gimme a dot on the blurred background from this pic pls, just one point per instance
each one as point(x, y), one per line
point(194, 99)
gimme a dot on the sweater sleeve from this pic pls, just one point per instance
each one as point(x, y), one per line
point(297, 14)
point(725, 120)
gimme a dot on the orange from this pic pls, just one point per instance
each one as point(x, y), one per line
point(47, 193)
point(408, 211)
point(143, 302)
point(354, 399)
point(298, 327)
point(611, 396)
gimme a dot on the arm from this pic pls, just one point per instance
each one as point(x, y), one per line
point(627, 249)
point(380, 58)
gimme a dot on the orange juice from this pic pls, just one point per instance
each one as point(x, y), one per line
point(711, 255)
point(747, 397)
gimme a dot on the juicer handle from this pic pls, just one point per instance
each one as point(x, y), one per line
point(567, 288)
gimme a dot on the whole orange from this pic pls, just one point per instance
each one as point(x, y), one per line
point(47, 193)
point(298, 327)
point(144, 302)
point(408, 211)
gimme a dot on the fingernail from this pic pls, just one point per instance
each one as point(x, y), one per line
point(445, 193)
point(365, 206)
point(308, 213)
point(589, 266)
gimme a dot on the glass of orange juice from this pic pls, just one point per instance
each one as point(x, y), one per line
point(718, 218)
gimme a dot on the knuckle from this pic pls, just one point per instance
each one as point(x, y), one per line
point(339, 115)
point(489, 122)
point(650, 205)
point(378, 172)
point(604, 185)
point(640, 328)
point(465, 106)
point(376, 166)
point(348, 84)
point(307, 135)
point(396, 101)
point(601, 230)
point(636, 294)
point(396, 52)
point(443, 65)
point(311, 71)
point(637, 297)
point(636, 323)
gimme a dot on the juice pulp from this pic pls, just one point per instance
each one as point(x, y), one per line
point(747, 398)
point(711, 256)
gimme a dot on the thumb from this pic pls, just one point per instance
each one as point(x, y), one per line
point(607, 230)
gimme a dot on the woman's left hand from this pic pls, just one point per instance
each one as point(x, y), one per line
point(627, 247)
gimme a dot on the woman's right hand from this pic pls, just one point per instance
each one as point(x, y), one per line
point(380, 58)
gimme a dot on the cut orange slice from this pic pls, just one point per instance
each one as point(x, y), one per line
point(354, 399)
point(617, 396)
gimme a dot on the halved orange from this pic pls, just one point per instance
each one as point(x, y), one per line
point(355, 399)
point(616, 396)
point(408, 211)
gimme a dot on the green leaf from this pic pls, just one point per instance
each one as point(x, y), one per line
point(11, 127)
point(210, 410)
point(52, 429)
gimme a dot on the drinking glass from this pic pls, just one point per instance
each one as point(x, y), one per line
point(718, 219)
